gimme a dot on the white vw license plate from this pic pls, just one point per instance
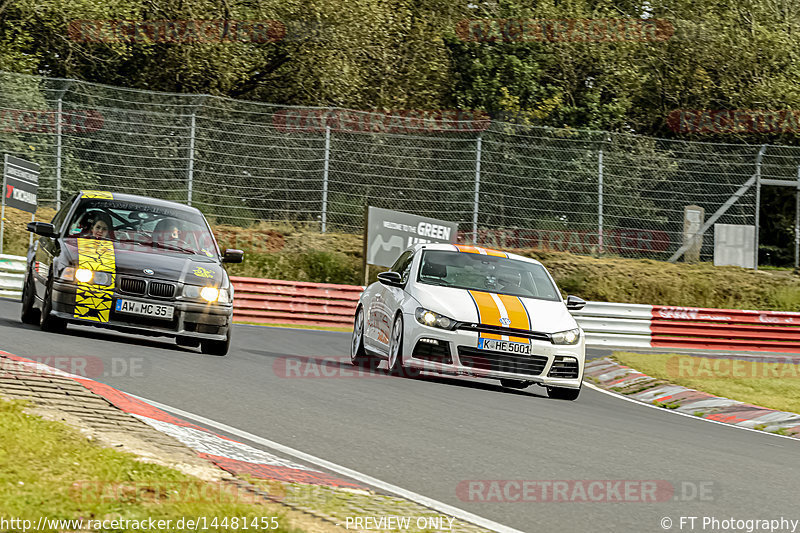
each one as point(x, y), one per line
point(504, 346)
point(145, 309)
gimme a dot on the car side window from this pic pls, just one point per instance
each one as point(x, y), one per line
point(405, 268)
point(58, 220)
point(397, 266)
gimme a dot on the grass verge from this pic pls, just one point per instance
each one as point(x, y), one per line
point(48, 469)
point(775, 385)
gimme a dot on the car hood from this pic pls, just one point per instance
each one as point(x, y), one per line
point(165, 264)
point(545, 316)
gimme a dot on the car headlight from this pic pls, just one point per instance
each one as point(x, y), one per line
point(571, 336)
point(84, 275)
point(434, 320)
point(209, 294)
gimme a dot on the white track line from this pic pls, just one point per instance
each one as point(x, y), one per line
point(333, 467)
point(671, 411)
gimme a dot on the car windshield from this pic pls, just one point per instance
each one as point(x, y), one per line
point(486, 273)
point(166, 228)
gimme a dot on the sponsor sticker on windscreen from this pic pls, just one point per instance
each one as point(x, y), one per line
point(144, 308)
point(504, 346)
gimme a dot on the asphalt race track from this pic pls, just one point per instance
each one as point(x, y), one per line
point(428, 434)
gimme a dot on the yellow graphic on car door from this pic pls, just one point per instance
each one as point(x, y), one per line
point(93, 301)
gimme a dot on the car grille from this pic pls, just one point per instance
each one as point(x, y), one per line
point(529, 365)
point(132, 285)
point(498, 330)
point(439, 353)
point(162, 290)
point(564, 367)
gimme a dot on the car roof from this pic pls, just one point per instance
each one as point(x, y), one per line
point(108, 195)
point(470, 249)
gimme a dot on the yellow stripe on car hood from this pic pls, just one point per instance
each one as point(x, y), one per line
point(93, 302)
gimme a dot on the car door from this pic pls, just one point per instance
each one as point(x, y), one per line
point(378, 325)
point(44, 252)
point(387, 301)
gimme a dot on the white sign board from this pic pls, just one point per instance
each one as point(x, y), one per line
point(733, 245)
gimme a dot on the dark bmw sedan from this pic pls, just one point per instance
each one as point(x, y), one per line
point(134, 264)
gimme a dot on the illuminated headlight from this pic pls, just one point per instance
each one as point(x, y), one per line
point(566, 337)
point(434, 320)
point(84, 275)
point(209, 294)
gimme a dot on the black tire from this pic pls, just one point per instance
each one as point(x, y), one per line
point(358, 355)
point(30, 314)
point(515, 383)
point(219, 348)
point(187, 342)
point(396, 366)
point(48, 322)
point(561, 393)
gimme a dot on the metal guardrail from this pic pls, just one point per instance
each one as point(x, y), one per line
point(12, 276)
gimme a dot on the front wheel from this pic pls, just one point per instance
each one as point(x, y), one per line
point(30, 314)
point(220, 348)
point(49, 322)
point(396, 347)
point(560, 393)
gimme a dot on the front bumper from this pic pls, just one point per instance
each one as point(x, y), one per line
point(542, 366)
point(190, 319)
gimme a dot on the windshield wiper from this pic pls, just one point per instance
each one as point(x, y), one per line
point(174, 247)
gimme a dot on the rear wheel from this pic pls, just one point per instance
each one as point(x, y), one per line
point(30, 314)
point(515, 383)
point(49, 322)
point(217, 347)
point(560, 393)
point(358, 355)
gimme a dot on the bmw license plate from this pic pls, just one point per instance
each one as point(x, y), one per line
point(145, 309)
point(493, 345)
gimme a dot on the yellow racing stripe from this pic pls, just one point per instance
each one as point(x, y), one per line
point(92, 301)
point(488, 313)
point(103, 195)
point(517, 314)
point(479, 250)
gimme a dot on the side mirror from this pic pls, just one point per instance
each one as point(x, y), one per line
point(233, 256)
point(574, 303)
point(44, 229)
point(392, 279)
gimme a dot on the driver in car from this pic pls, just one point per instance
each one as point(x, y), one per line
point(168, 232)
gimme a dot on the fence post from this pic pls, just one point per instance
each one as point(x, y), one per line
point(797, 222)
point(325, 178)
point(477, 190)
point(760, 156)
point(58, 152)
point(600, 200)
point(190, 170)
point(59, 135)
